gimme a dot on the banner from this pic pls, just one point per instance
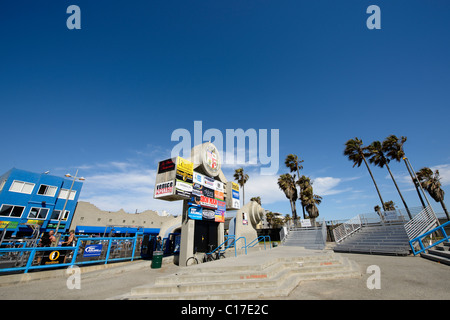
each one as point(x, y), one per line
point(92, 250)
point(195, 213)
point(220, 212)
point(163, 189)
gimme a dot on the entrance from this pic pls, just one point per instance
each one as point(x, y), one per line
point(205, 234)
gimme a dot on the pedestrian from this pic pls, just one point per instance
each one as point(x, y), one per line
point(70, 241)
point(47, 239)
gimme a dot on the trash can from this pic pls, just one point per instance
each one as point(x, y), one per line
point(157, 259)
point(274, 244)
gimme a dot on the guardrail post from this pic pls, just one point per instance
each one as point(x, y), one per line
point(30, 260)
point(108, 251)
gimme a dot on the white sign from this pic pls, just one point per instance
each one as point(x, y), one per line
point(162, 189)
point(305, 222)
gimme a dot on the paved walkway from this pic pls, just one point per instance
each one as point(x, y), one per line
point(401, 278)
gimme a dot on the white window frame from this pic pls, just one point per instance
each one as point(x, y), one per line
point(64, 218)
point(49, 187)
point(2, 184)
point(13, 206)
point(64, 192)
point(22, 187)
point(37, 217)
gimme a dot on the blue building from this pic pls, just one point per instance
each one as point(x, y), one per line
point(36, 198)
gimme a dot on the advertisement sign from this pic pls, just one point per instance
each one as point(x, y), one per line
point(198, 178)
point(9, 224)
point(220, 212)
point(92, 250)
point(209, 214)
point(184, 170)
point(208, 182)
point(165, 188)
point(166, 165)
point(54, 257)
point(207, 192)
point(195, 213)
point(208, 202)
point(183, 188)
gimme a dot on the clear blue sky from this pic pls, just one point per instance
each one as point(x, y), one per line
point(106, 98)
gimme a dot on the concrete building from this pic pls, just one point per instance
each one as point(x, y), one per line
point(90, 219)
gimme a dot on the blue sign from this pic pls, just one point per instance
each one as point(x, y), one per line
point(195, 213)
point(93, 250)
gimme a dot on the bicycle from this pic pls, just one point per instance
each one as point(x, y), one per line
point(192, 260)
point(216, 255)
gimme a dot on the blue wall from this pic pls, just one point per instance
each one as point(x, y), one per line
point(36, 200)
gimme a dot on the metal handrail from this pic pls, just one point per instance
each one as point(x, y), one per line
point(30, 252)
point(257, 240)
point(419, 239)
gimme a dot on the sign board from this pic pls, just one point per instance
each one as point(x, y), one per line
point(93, 250)
point(174, 179)
point(305, 222)
point(233, 196)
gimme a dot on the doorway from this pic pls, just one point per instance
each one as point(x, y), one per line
point(205, 234)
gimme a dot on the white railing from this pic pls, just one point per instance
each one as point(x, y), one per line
point(421, 223)
point(347, 228)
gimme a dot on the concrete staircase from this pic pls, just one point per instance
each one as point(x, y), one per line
point(309, 238)
point(440, 253)
point(257, 275)
point(388, 239)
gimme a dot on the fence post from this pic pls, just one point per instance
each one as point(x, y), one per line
point(108, 251)
point(30, 260)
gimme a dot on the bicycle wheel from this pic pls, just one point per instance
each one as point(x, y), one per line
point(222, 256)
point(191, 261)
point(209, 257)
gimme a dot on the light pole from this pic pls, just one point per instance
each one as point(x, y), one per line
point(57, 236)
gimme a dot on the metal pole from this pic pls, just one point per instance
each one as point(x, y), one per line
point(64, 208)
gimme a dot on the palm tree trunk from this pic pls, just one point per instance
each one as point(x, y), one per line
point(401, 196)
point(415, 184)
point(373, 179)
point(445, 209)
point(294, 212)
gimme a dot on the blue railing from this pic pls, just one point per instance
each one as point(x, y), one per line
point(88, 250)
point(419, 239)
point(258, 240)
point(232, 243)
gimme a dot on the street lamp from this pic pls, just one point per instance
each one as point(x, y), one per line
point(65, 204)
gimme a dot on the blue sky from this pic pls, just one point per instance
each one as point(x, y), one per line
point(106, 98)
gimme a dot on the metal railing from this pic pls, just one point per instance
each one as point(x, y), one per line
point(419, 239)
point(421, 223)
point(88, 250)
point(347, 228)
point(257, 240)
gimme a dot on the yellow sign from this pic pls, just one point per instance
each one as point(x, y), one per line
point(54, 255)
point(185, 165)
point(234, 186)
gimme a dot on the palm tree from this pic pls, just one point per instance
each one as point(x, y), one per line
point(304, 183)
point(294, 163)
point(378, 158)
point(269, 218)
point(393, 147)
point(432, 184)
point(241, 179)
point(287, 219)
point(356, 153)
point(311, 202)
point(256, 199)
point(390, 205)
point(286, 183)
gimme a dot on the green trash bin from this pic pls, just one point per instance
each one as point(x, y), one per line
point(157, 259)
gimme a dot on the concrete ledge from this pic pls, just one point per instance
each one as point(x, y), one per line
point(114, 267)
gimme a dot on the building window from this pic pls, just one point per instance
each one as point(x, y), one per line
point(46, 190)
point(11, 211)
point(2, 184)
point(56, 213)
point(38, 213)
point(64, 192)
point(22, 187)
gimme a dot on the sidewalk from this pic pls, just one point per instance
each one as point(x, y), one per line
point(401, 278)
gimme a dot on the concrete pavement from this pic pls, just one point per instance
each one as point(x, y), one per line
point(400, 277)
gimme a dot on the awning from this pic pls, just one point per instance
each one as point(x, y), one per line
point(107, 230)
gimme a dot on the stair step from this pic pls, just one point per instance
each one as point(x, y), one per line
point(284, 283)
